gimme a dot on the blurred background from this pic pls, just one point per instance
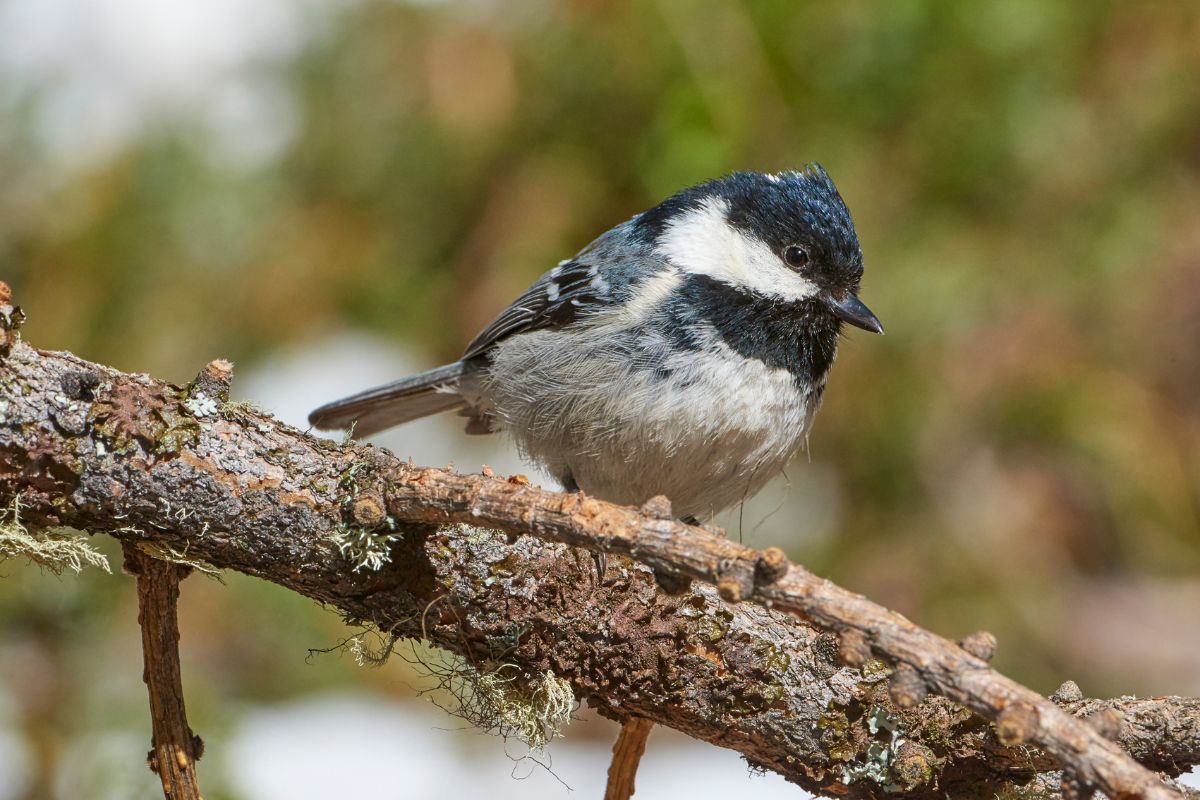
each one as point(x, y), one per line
point(332, 193)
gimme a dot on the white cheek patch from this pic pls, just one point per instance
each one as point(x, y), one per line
point(702, 242)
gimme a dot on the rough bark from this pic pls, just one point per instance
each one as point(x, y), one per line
point(102, 451)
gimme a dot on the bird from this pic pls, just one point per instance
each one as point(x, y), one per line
point(683, 353)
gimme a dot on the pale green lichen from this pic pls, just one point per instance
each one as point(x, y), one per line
point(201, 405)
point(875, 670)
point(236, 408)
point(500, 697)
point(164, 552)
point(365, 548)
point(880, 756)
point(367, 654)
point(55, 549)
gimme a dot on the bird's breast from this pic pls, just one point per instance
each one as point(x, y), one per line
point(632, 419)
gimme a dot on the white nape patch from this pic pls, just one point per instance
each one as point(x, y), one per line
point(702, 242)
point(552, 291)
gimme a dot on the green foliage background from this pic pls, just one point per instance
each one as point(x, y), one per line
point(1020, 453)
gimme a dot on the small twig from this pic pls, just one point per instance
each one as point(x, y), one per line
point(627, 754)
point(174, 748)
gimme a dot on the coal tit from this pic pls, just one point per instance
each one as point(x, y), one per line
point(683, 353)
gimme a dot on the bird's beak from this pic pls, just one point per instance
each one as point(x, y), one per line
point(850, 309)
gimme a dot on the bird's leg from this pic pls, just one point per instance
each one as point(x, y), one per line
point(568, 482)
point(708, 526)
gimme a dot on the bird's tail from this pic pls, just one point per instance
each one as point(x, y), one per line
point(394, 403)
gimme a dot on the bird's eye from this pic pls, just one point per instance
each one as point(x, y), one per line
point(795, 256)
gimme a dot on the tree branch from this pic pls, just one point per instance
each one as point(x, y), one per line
point(174, 748)
point(627, 754)
point(90, 447)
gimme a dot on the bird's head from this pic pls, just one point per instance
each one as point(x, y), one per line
point(788, 237)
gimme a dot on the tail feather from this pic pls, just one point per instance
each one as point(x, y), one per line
point(394, 403)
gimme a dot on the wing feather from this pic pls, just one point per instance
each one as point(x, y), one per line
point(557, 299)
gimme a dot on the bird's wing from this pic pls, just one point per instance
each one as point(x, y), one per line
point(555, 300)
point(573, 289)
